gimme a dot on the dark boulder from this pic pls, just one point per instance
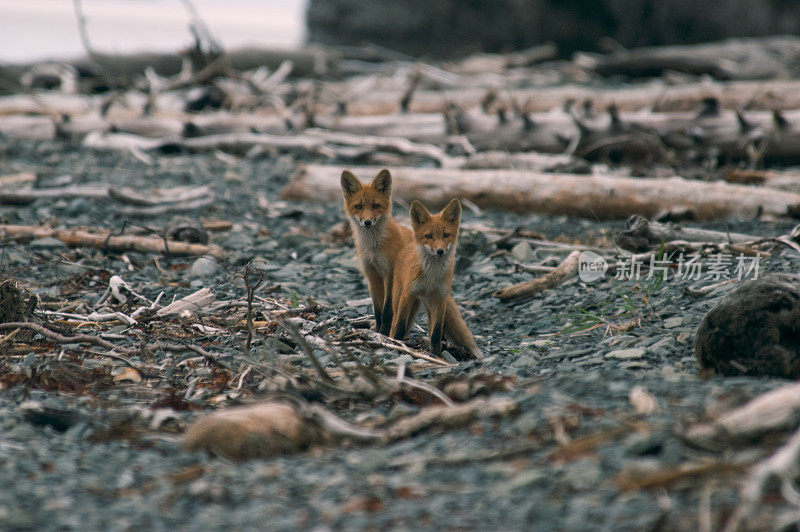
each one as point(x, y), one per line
point(754, 330)
point(443, 28)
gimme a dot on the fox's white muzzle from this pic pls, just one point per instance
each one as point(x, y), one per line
point(368, 222)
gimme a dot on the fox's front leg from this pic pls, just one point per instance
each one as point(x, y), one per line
point(436, 313)
point(378, 292)
point(399, 317)
point(386, 312)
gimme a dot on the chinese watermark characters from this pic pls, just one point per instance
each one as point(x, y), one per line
point(692, 267)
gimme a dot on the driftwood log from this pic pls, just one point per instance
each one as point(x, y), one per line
point(765, 95)
point(641, 234)
point(102, 239)
point(599, 196)
point(566, 270)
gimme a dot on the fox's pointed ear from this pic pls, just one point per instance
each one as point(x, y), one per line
point(350, 183)
point(418, 214)
point(452, 213)
point(383, 182)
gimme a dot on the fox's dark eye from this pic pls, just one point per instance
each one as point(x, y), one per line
point(429, 236)
point(446, 235)
point(359, 207)
point(376, 205)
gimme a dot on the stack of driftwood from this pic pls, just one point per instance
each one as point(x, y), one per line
point(521, 131)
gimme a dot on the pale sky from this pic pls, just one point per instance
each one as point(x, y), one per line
point(37, 29)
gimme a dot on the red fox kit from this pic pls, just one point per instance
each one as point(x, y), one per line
point(424, 275)
point(379, 240)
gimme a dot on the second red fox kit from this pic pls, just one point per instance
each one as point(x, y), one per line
point(379, 242)
point(423, 273)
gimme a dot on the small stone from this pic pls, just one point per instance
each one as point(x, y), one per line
point(526, 479)
point(204, 267)
point(370, 460)
point(522, 252)
point(71, 269)
point(675, 321)
point(238, 240)
point(404, 360)
point(319, 258)
point(634, 364)
point(638, 444)
point(582, 474)
point(46, 243)
point(627, 354)
point(622, 339)
point(683, 337)
point(348, 261)
point(449, 358)
point(662, 346)
point(541, 343)
point(525, 361)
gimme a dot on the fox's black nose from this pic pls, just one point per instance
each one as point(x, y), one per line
point(440, 252)
point(367, 223)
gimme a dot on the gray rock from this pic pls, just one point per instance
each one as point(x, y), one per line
point(754, 330)
point(448, 357)
point(522, 252)
point(403, 360)
point(526, 479)
point(675, 321)
point(347, 260)
point(204, 268)
point(370, 460)
point(627, 354)
point(46, 243)
point(582, 474)
point(525, 361)
point(638, 444)
point(663, 346)
point(319, 258)
point(238, 240)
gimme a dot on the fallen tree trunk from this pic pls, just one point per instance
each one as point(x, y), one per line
point(783, 180)
point(585, 196)
point(313, 141)
point(779, 94)
point(102, 239)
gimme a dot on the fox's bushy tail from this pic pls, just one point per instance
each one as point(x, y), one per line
point(456, 328)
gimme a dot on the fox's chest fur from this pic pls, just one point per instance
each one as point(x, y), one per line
point(370, 247)
point(435, 276)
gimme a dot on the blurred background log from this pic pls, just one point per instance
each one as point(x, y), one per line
point(604, 197)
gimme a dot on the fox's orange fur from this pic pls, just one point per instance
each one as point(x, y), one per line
point(379, 242)
point(424, 276)
point(378, 238)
